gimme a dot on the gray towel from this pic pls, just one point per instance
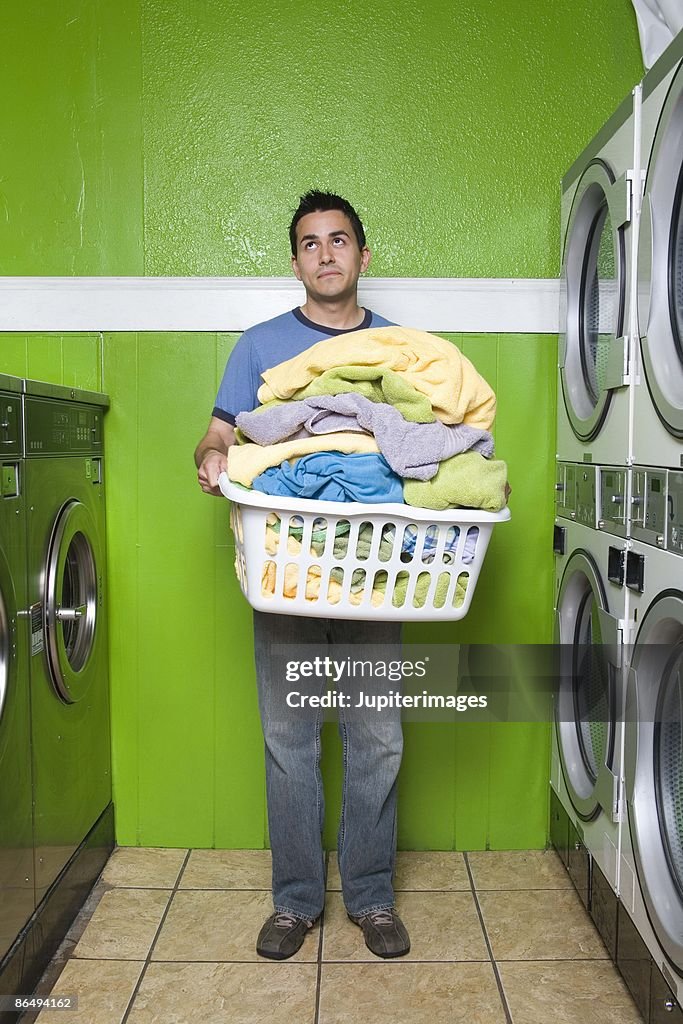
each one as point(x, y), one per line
point(413, 450)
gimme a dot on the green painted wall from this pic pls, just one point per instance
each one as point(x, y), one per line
point(162, 138)
point(71, 186)
point(449, 124)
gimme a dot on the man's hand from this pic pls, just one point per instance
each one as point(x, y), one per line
point(211, 455)
point(213, 465)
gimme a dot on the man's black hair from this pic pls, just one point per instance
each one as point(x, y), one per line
point(314, 201)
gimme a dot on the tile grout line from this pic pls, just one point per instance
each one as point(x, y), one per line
point(370, 960)
point(494, 965)
point(259, 889)
point(318, 981)
point(148, 959)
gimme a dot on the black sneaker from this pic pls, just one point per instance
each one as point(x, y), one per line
point(385, 933)
point(282, 936)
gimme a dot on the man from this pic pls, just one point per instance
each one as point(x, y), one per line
point(329, 253)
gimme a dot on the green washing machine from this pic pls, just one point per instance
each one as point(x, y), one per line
point(17, 897)
point(64, 448)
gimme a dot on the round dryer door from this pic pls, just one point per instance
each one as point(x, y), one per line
point(585, 702)
point(593, 285)
point(654, 768)
point(72, 600)
point(660, 265)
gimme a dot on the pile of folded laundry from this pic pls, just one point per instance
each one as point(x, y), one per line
point(389, 414)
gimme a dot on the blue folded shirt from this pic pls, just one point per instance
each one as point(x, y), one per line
point(333, 476)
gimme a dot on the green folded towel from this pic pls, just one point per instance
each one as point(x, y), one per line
point(376, 383)
point(467, 480)
point(421, 588)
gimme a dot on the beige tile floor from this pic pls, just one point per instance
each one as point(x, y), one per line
point(167, 937)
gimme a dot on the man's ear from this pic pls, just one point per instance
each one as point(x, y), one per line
point(365, 257)
point(295, 268)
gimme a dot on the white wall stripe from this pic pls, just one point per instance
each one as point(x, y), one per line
point(486, 305)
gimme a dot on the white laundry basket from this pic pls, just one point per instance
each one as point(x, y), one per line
point(341, 560)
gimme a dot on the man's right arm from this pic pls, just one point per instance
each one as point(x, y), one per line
point(211, 454)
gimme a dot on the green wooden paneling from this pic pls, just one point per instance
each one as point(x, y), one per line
point(188, 750)
point(70, 359)
point(122, 484)
point(13, 354)
point(175, 591)
point(241, 817)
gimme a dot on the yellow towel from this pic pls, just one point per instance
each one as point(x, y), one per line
point(334, 587)
point(246, 461)
point(437, 368)
point(313, 576)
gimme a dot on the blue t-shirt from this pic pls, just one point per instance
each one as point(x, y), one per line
point(265, 345)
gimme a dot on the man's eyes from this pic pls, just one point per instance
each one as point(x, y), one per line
point(311, 244)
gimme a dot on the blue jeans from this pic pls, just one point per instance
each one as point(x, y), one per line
point(372, 749)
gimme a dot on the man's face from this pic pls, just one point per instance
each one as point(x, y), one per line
point(328, 260)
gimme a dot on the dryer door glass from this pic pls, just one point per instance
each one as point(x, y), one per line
point(72, 600)
point(660, 265)
point(653, 773)
point(79, 591)
point(585, 698)
point(676, 264)
point(599, 305)
point(669, 767)
point(593, 291)
point(591, 690)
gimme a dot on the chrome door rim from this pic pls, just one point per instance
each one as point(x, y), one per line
point(592, 193)
point(5, 649)
point(583, 791)
point(661, 628)
point(73, 527)
point(660, 347)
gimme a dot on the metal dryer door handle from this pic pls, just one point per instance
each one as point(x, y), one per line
point(71, 614)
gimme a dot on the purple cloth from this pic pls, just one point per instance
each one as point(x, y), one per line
point(413, 450)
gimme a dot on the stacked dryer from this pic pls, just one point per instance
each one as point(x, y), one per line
point(650, 952)
point(593, 449)
point(617, 770)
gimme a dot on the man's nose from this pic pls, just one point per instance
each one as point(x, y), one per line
point(326, 255)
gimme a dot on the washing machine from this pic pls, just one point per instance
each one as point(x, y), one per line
point(651, 888)
point(658, 392)
point(591, 621)
point(64, 487)
point(594, 358)
point(17, 896)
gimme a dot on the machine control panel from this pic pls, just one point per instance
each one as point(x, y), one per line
point(10, 425)
point(649, 507)
point(565, 490)
point(586, 507)
point(612, 513)
point(62, 428)
point(674, 533)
